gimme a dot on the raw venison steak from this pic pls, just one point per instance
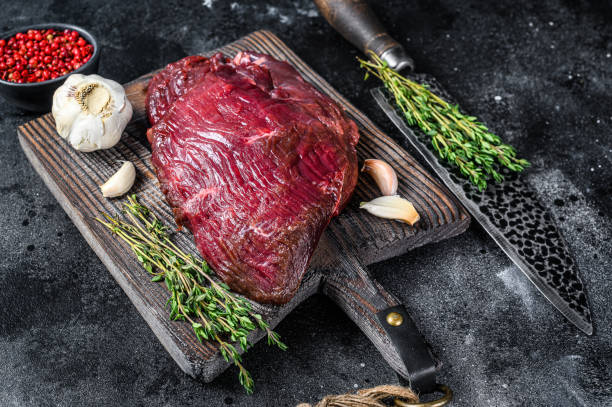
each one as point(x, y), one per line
point(174, 81)
point(255, 162)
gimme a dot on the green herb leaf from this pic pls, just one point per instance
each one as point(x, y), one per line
point(459, 139)
point(214, 312)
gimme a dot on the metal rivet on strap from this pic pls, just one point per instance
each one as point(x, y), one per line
point(442, 401)
point(395, 319)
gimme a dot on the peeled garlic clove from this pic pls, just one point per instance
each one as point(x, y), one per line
point(120, 182)
point(392, 207)
point(383, 174)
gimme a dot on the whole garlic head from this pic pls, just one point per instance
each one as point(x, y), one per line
point(91, 112)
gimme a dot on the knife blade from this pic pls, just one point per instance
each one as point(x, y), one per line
point(510, 211)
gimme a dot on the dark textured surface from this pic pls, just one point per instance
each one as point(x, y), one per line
point(540, 75)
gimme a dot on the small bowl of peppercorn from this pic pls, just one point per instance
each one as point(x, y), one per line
point(35, 60)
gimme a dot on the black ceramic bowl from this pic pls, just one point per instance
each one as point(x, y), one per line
point(38, 96)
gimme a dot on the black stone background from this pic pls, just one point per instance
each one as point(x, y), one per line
point(540, 73)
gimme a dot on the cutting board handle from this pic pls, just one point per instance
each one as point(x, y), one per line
point(378, 313)
point(356, 22)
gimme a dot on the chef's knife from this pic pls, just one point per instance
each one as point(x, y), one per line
point(509, 211)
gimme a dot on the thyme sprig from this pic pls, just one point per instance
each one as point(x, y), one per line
point(214, 312)
point(459, 139)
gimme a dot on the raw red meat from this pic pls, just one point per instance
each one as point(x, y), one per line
point(171, 83)
point(255, 162)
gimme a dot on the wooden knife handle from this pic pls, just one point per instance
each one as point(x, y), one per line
point(378, 313)
point(356, 22)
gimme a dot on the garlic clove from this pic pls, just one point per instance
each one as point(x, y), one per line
point(65, 115)
point(86, 133)
point(120, 182)
point(383, 174)
point(392, 207)
point(74, 79)
point(113, 129)
point(62, 97)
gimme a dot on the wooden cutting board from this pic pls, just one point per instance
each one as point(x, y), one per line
point(74, 177)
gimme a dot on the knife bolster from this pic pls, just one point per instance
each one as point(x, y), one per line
point(356, 22)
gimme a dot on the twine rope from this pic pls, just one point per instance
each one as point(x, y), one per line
point(372, 397)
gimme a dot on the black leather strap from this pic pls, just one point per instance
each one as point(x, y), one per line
point(412, 348)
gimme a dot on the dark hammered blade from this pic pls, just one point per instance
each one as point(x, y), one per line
point(514, 217)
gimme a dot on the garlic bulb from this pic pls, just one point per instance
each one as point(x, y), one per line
point(91, 112)
point(120, 182)
point(383, 174)
point(392, 207)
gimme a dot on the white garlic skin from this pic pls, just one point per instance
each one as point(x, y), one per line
point(120, 182)
point(383, 174)
point(86, 129)
point(392, 207)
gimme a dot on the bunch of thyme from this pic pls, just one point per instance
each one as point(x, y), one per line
point(459, 139)
point(215, 313)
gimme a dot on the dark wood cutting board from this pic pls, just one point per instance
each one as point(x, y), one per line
point(74, 177)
